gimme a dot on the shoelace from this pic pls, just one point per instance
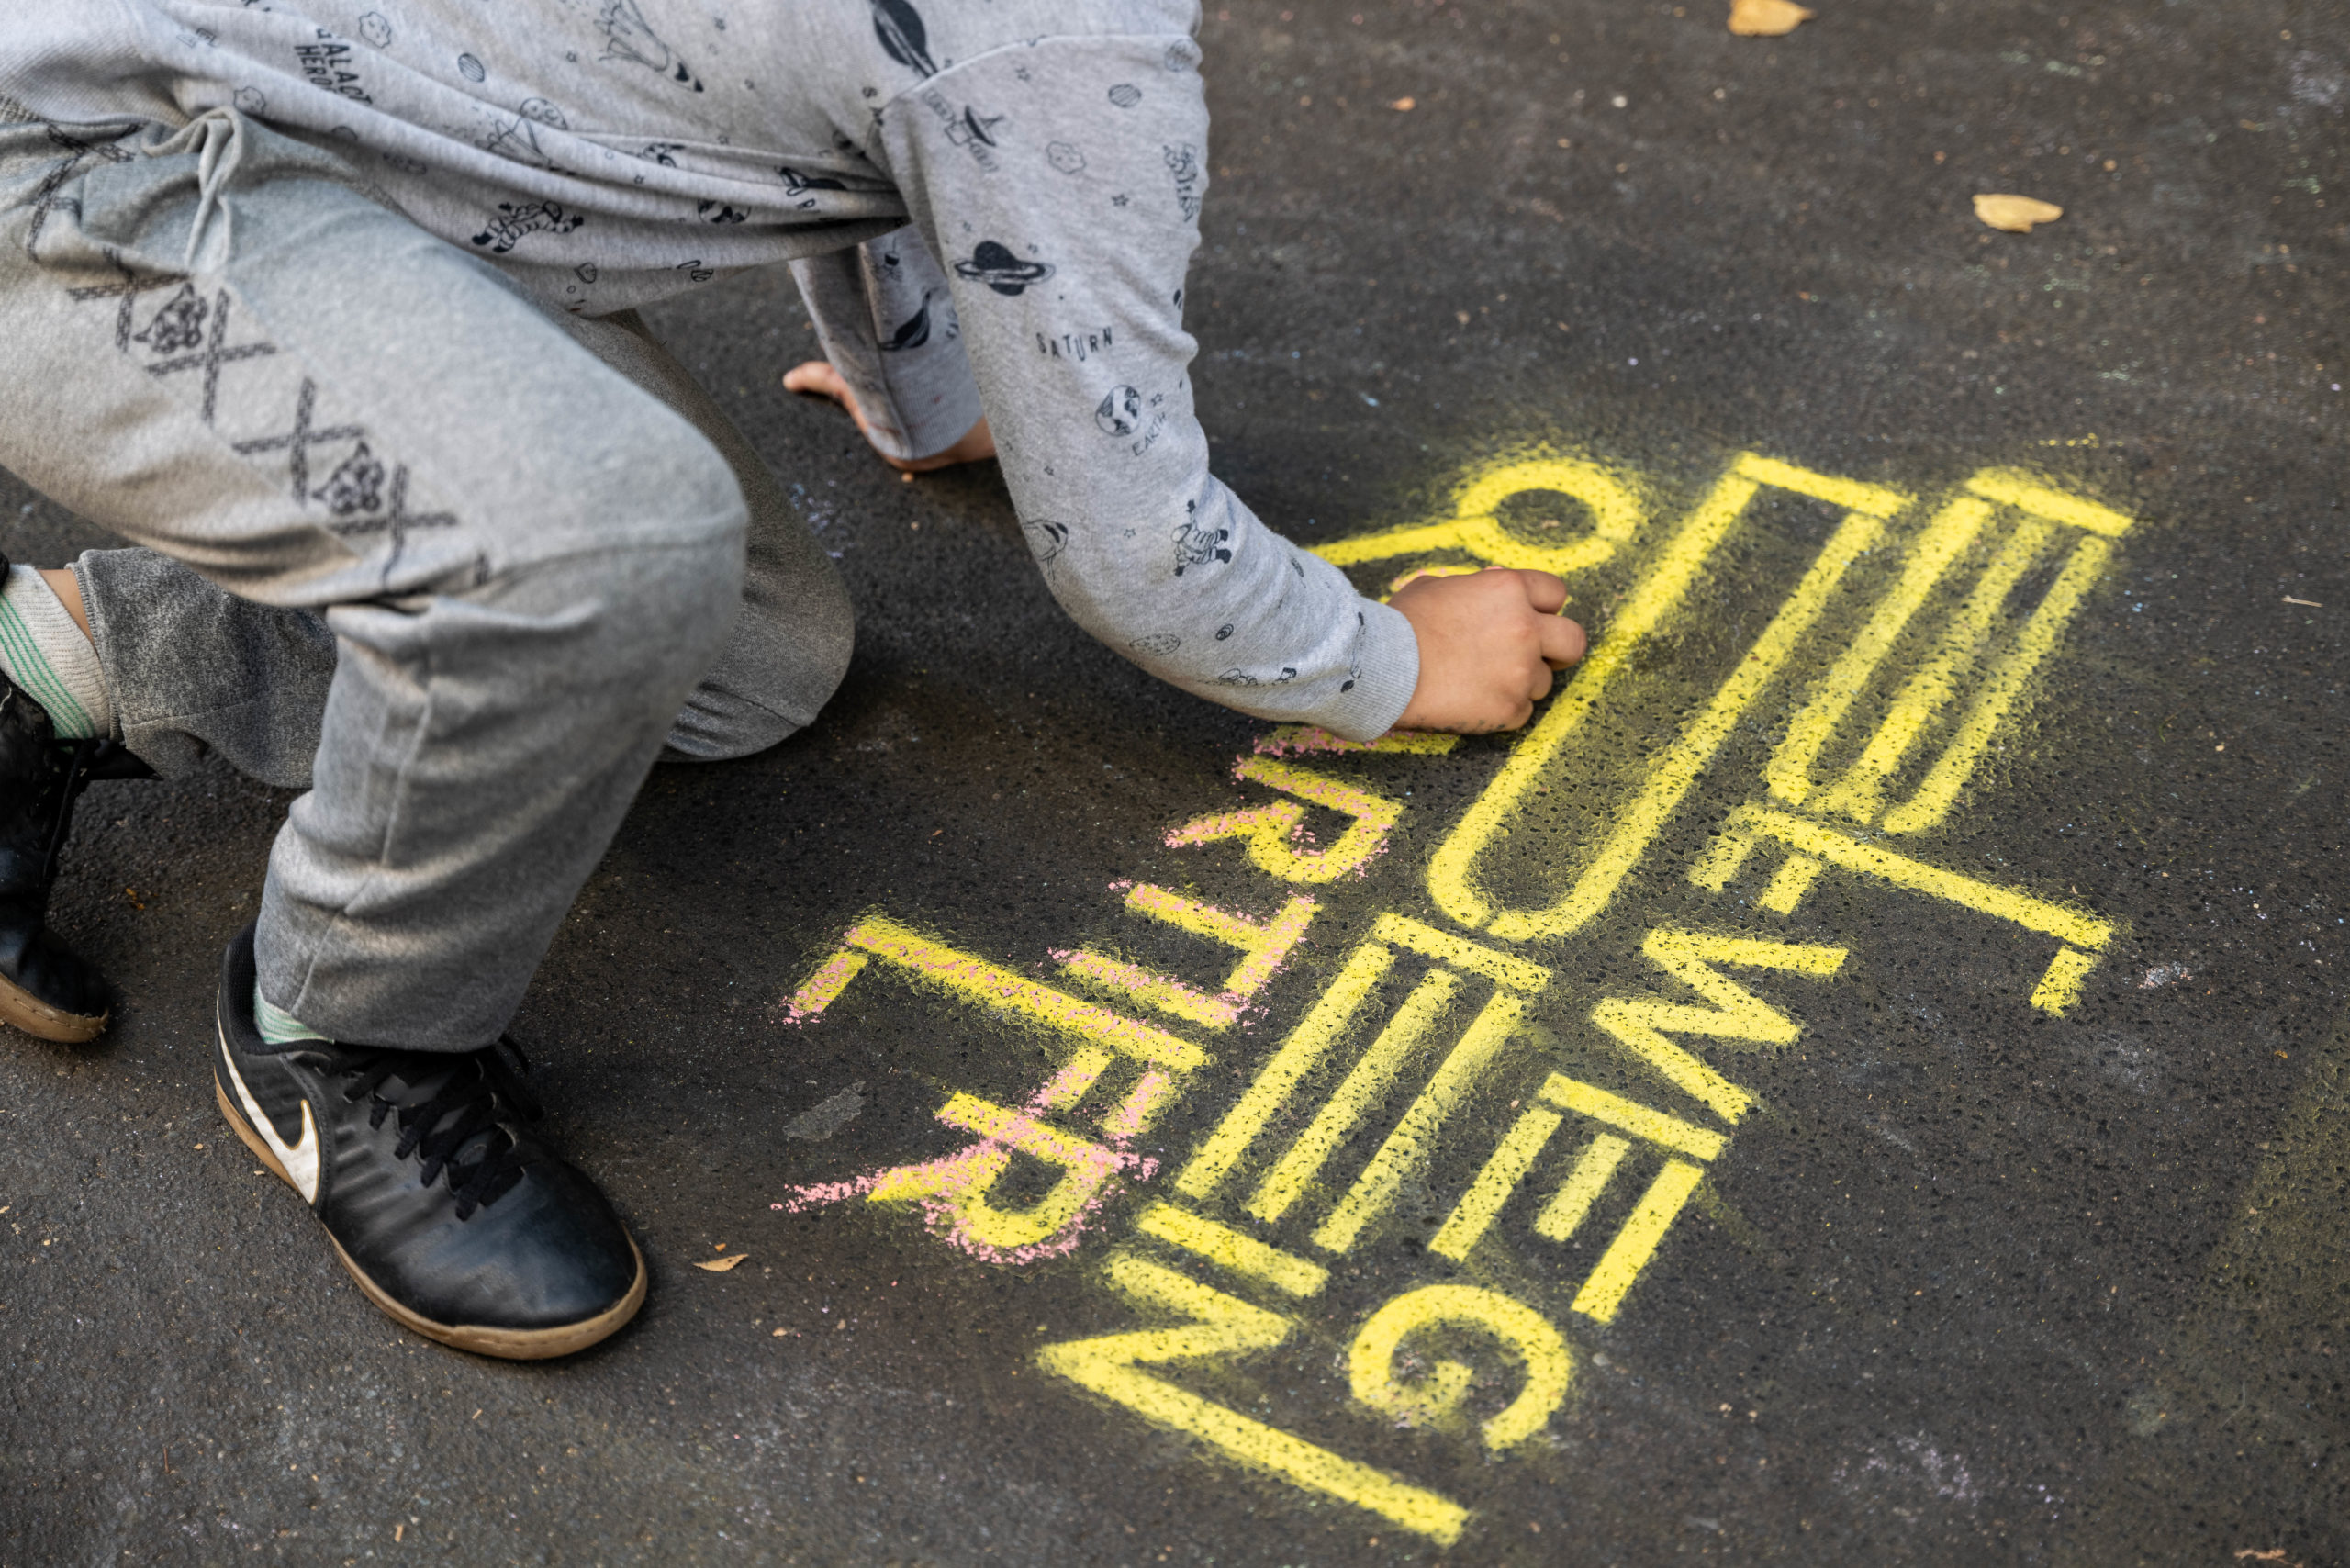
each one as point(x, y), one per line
point(85, 760)
point(458, 1111)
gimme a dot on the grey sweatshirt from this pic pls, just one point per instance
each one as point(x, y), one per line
point(989, 208)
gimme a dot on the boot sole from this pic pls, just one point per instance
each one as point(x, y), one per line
point(27, 1011)
point(509, 1344)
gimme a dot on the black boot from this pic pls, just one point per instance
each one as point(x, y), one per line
point(44, 988)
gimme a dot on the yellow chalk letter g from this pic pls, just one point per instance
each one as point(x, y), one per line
point(1371, 1363)
point(1476, 529)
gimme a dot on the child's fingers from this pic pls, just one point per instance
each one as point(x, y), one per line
point(1544, 590)
point(1562, 640)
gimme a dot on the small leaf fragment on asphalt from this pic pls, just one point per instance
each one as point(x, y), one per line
point(1766, 19)
point(1402, 106)
point(2015, 214)
point(720, 1265)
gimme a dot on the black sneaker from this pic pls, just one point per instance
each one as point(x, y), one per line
point(455, 1223)
point(45, 989)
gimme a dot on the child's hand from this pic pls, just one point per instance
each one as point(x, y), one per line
point(820, 379)
point(1489, 642)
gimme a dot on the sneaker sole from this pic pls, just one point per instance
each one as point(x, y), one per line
point(509, 1344)
point(27, 1011)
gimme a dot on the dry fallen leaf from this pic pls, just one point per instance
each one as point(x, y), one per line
point(1766, 19)
point(2015, 214)
point(1403, 104)
point(720, 1265)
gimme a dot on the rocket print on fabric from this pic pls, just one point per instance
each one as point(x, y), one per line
point(914, 331)
point(797, 184)
point(628, 36)
point(517, 138)
point(899, 27)
point(1052, 538)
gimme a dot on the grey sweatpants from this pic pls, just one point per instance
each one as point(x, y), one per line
point(459, 564)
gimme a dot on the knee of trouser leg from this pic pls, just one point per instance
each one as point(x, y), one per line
point(778, 669)
point(830, 640)
point(684, 540)
point(628, 626)
point(653, 483)
point(673, 603)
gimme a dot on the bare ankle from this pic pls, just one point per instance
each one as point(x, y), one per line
point(68, 589)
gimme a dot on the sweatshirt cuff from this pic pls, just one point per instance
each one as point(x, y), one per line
point(1391, 672)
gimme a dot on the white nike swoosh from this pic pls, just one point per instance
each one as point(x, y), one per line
point(301, 1162)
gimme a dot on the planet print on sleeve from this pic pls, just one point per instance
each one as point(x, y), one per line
point(994, 265)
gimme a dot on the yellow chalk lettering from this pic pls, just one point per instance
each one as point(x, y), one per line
point(1406, 742)
point(1233, 1249)
point(1475, 530)
point(2061, 986)
point(1478, 1207)
point(1937, 544)
point(1274, 941)
point(1264, 944)
point(1603, 1293)
point(1659, 591)
point(1084, 1167)
point(1217, 1327)
point(1461, 952)
point(1269, 829)
point(2001, 689)
point(1784, 893)
point(975, 980)
point(1278, 1079)
point(936, 1178)
point(1639, 824)
point(1164, 992)
point(1689, 956)
point(1549, 1368)
point(1749, 824)
point(1408, 1150)
point(1356, 1094)
point(1850, 494)
point(1594, 1168)
point(1860, 793)
point(825, 985)
point(1651, 1126)
point(1640, 1024)
point(1076, 1078)
point(1625, 1019)
point(1134, 1115)
point(2026, 494)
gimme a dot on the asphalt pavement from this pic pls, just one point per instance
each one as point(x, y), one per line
point(1862, 1080)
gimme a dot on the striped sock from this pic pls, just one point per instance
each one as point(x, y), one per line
point(277, 1026)
point(44, 652)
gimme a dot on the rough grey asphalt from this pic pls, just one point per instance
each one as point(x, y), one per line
point(1974, 1285)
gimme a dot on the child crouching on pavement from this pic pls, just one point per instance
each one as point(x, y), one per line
point(327, 307)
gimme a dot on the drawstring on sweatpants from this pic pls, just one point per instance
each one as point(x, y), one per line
point(219, 134)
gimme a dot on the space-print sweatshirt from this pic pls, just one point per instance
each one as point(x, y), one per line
point(989, 206)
